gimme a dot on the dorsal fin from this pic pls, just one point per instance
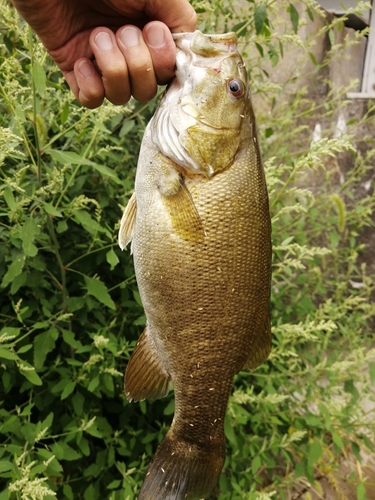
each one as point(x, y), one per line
point(125, 234)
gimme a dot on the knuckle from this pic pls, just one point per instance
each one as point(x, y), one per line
point(91, 100)
point(118, 99)
point(140, 66)
point(114, 72)
point(144, 94)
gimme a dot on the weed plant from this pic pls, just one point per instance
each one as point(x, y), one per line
point(70, 312)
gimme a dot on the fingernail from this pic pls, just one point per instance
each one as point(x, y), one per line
point(155, 36)
point(85, 68)
point(130, 36)
point(103, 41)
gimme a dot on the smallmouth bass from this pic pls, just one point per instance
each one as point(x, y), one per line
point(201, 237)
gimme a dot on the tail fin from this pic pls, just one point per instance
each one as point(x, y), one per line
point(183, 471)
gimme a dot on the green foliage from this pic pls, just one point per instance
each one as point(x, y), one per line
point(70, 312)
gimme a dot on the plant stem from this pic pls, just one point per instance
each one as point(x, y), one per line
point(88, 253)
point(37, 144)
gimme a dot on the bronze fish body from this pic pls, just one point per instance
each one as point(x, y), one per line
point(201, 238)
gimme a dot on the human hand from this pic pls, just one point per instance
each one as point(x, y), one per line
point(110, 48)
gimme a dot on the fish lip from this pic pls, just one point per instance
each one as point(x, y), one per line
point(229, 37)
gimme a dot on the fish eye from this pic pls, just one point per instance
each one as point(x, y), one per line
point(236, 87)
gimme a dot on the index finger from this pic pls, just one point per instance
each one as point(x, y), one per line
point(178, 15)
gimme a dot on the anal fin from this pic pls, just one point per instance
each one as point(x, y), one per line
point(126, 231)
point(145, 376)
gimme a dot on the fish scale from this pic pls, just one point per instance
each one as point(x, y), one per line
point(201, 241)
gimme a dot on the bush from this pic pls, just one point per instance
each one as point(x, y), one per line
point(70, 312)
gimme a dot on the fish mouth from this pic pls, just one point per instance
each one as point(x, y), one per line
point(206, 44)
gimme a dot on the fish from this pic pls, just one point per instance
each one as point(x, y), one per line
point(200, 232)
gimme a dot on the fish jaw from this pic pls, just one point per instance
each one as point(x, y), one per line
point(197, 124)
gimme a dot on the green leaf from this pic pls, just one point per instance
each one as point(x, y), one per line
point(273, 55)
point(114, 484)
point(260, 15)
point(43, 344)
point(31, 375)
point(106, 171)
point(97, 289)
point(39, 78)
point(356, 451)
point(68, 492)
point(65, 157)
point(50, 209)
point(9, 198)
point(24, 348)
point(260, 49)
point(314, 453)
point(64, 113)
point(240, 28)
point(6, 354)
point(341, 211)
point(18, 282)
point(229, 432)
point(64, 452)
point(94, 383)
point(90, 493)
point(268, 132)
point(14, 269)
point(27, 234)
point(5, 466)
point(256, 464)
point(313, 59)
point(372, 372)
point(351, 389)
point(62, 226)
point(313, 421)
point(361, 492)
point(331, 36)
point(336, 438)
point(19, 113)
point(10, 331)
point(53, 467)
point(68, 389)
point(91, 225)
point(112, 258)
point(294, 17)
point(368, 443)
point(69, 338)
point(137, 298)
point(126, 127)
point(310, 14)
point(78, 401)
point(47, 422)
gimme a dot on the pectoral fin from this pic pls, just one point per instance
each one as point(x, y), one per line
point(261, 348)
point(126, 231)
